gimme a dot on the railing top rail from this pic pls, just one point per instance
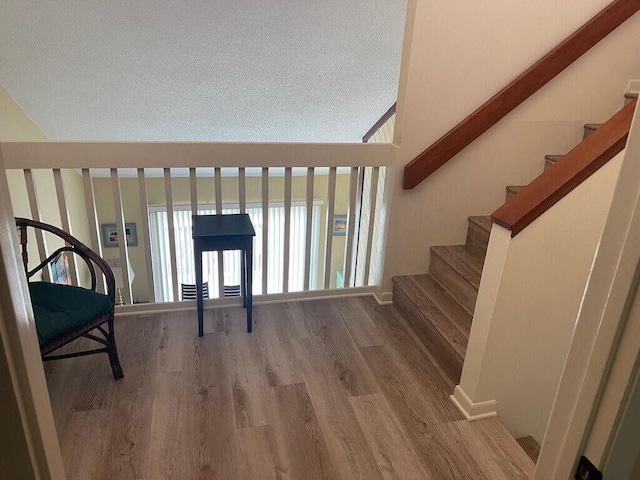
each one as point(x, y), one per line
point(575, 167)
point(21, 155)
point(520, 89)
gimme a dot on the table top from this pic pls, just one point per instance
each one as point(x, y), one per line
point(222, 225)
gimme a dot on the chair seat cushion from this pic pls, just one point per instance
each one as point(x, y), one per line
point(60, 309)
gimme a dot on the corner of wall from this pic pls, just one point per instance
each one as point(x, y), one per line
point(15, 124)
point(473, 411)
point(383, 298)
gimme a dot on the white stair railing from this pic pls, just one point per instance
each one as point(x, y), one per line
point(306, 202)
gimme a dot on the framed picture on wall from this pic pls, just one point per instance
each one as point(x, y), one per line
point(110, 235)
point(339, 226)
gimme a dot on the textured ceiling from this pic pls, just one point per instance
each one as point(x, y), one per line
point(252, 70)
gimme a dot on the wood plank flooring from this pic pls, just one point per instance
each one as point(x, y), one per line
point(332, 389)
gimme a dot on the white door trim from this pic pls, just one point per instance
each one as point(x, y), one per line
point(20, 356)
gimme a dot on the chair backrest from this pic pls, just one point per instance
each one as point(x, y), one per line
point(188, 291)
point(232, 290)
point(71, 245)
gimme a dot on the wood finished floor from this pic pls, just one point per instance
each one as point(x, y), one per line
point(333, 389)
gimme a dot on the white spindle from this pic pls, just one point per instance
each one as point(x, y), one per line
point(193, 189)
point(35, 215)
point(242, 190)
point(92, 219)
point(309, 226)
point(265, 227)
point(64, 219)
point(145, 229)
point(287, 229)
point(168, 192)
point(351, 226)
point(92, 216)
point(331, 200)
point(372, 216)
point(122, 237)
point(218, 179)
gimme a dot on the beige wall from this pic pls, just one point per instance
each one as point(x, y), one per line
point(16, 126)
point(528, 302)
point(456, 56)
point(206, 194)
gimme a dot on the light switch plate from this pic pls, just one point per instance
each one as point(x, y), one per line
point(587, 471)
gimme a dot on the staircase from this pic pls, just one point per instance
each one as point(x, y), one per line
point(439, 305)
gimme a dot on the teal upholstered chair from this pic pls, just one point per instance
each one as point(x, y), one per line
point(64, 313)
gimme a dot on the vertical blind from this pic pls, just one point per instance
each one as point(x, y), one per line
point(363, 231)
point(162, 277)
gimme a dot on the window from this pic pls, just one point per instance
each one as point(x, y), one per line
point(163, 281)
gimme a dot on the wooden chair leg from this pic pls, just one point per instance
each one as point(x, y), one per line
point(113, 352)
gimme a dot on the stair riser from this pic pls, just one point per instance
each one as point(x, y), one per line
point(477, 239)
point(548, 164)
point(463, 291)
point(510, 195)
point(448, 359)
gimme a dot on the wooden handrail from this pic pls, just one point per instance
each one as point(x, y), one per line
point(529, 82)
point(575, 167)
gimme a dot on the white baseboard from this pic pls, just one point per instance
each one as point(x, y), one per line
point(473, 411)
point(190, 305)
point(385, 299)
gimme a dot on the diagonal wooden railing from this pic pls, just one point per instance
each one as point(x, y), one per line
point(525, 85)
point(376, 126)
point(575, 167)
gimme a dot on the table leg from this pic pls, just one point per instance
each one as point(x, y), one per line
point(199, 299)
point(243, 277)
point(249, 292)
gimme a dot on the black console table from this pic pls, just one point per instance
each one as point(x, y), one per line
point(225, 232)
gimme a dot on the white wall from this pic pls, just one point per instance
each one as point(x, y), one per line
point(456, 56)
point(528, 303)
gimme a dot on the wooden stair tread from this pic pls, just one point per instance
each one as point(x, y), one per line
point(478, 233)
point(589, 128)
point(483, 221)
point(460, 259)
point(530, 446)
point(445, 303)
point(513, 190)
point(432, 312)
point(442, 339)
point(551, 160)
